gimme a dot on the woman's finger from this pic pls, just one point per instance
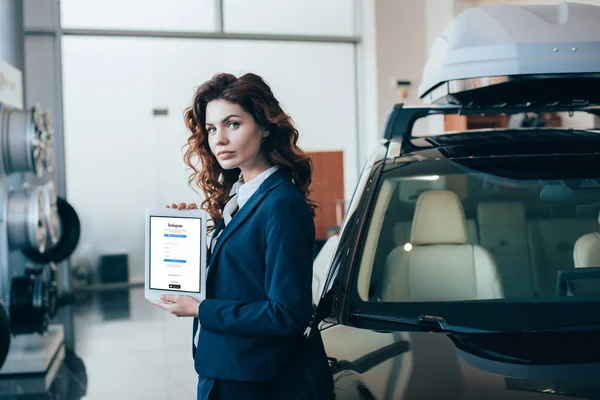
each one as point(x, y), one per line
point(183, 206)
point(161, 305)
point(173, 307)
point(169, 298)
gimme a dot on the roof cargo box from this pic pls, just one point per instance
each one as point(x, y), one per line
point(505, 54)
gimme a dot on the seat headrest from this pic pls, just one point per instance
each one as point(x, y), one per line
point(439, 219)
point(587, 251)
point(501, 212)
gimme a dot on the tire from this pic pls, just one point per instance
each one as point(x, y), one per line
point(4, 335)
point(71, 231)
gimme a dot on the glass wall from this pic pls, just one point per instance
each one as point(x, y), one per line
point(271, 17)
point(308, 17)
point(150, 15)
point(121, 158)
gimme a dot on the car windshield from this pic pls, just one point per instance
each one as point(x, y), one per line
point(500, 228)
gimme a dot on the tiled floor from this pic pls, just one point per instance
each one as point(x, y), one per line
point(125, 348)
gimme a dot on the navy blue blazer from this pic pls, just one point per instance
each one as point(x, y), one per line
point(258, 287)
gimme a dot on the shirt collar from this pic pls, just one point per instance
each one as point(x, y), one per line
point(245, 190)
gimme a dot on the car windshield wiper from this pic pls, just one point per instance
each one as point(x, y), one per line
point(577, 327)
point(429, 323)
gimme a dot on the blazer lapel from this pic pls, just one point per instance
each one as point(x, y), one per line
point(242, 215)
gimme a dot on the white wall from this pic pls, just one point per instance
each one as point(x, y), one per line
point(404, 31)
point(368, 100)
point(401, 50)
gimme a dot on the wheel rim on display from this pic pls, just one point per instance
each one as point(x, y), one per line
point(41, 236)
point(51, 212)
point(48, 140)
point(69, 233)
point(27, 227)
point(23, 147)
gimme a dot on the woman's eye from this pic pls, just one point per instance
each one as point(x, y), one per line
point(233, 125)
point(211, 130)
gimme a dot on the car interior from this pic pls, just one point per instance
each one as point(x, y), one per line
point(465, 237)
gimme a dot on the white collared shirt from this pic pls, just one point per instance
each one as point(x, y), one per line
point(247, 189)
point(241, 191)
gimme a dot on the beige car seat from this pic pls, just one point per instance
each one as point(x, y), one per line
point(440, 265)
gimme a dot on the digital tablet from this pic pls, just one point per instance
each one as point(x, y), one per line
point(175, 253)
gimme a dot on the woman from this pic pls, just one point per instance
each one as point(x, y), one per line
point(248, 333)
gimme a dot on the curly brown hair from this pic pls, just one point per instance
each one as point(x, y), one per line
point(255, 97)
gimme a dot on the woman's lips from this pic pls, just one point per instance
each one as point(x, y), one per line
point(225, 154)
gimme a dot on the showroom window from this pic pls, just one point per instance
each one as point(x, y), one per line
point(128, 76)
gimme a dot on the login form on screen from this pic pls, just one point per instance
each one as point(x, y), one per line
point(175, 253)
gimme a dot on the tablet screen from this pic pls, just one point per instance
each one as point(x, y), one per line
point(175, 253)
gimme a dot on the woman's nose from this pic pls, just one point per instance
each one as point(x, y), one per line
point(222, 141)
point(221, 137)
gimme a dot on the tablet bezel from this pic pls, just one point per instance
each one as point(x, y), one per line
point(153, 295)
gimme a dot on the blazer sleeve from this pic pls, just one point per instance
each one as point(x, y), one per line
point(194, 328)
point(290, 233)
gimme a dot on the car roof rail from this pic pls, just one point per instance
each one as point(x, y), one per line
point(401, 119)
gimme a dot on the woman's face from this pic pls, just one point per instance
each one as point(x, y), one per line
point(233, 136)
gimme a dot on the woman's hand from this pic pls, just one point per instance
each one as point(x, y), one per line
point(183, 206)
point(182, 306)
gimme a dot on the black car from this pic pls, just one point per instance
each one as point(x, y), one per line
point(468, 263)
